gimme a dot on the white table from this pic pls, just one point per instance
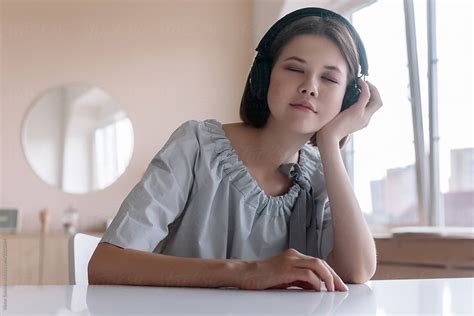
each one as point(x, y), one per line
point(412, 297)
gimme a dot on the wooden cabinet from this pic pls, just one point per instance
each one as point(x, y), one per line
point(34, 259)
point(424, 256)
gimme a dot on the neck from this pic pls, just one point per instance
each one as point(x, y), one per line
point(274, 145)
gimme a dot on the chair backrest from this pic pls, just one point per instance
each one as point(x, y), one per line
point(81, 247)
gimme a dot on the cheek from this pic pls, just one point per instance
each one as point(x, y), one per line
point(333, 113)
point(276, 89)
point(335, 99)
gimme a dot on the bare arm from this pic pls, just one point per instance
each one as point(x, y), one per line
point(354, 255)
point(114, 265)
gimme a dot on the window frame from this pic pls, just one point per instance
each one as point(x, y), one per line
point(430, 208)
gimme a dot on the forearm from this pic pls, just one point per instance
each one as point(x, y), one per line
point(114, 265)
point(354, 255)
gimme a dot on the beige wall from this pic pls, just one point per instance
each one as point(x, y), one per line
point(164, 61)
point(2, 81)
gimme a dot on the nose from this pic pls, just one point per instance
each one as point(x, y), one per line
point(308, 87)
point(311, 93)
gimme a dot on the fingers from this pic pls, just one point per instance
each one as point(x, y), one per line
point(368, 103)
point(307, 277)
point(317, 267)
point(332, 281)
point(338, 283)
point(375, 101)
point(292, 268)
point(305, 285)
point(369, 96)
point(365, 92)
point(302, 278)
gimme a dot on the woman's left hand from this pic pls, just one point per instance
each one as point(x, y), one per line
point(356, 117)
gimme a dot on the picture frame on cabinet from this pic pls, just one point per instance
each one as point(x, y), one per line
point(9, 220)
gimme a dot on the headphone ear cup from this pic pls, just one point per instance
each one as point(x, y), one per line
point(351, 96)
point(259, 75)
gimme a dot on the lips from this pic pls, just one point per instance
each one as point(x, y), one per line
point(306, 104)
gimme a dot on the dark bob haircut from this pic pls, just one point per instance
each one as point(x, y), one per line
point(255, 112)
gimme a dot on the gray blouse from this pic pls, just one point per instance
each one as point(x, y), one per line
point(197, 199)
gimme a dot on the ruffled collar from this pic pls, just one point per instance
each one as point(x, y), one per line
point(226, 152)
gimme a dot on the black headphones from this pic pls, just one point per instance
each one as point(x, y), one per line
point(261, 68)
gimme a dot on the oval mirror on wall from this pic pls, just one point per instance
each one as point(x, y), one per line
point(77, 138)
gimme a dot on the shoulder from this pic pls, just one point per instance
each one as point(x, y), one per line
point(188, 128)
point(184, 140)
point(199, 128)
point(194, 136)
point(193, 130)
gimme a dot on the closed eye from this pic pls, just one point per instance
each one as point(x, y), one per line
point(331, 80)
point(294, 69)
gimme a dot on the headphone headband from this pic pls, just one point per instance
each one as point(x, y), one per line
point(272, 33)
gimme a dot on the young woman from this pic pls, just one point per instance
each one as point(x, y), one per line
point(265, 203)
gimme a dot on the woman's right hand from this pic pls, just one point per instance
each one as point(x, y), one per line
point(291, 268)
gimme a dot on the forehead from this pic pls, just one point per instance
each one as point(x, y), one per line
point(314, 49)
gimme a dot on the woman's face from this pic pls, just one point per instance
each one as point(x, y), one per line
point(309, 73)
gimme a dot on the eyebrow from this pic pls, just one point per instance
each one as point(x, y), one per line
point(301, 60)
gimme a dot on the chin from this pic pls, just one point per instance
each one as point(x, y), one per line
point(304, 129)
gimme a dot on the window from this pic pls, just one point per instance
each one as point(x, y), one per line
point(385, 178)
point(456, 114)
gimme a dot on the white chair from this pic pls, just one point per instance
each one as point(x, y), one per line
point(81, 247)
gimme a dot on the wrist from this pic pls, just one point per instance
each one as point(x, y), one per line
point(238, 272)
point(326, 140)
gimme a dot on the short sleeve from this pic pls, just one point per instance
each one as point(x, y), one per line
point(160, 196)
point(327, 234)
